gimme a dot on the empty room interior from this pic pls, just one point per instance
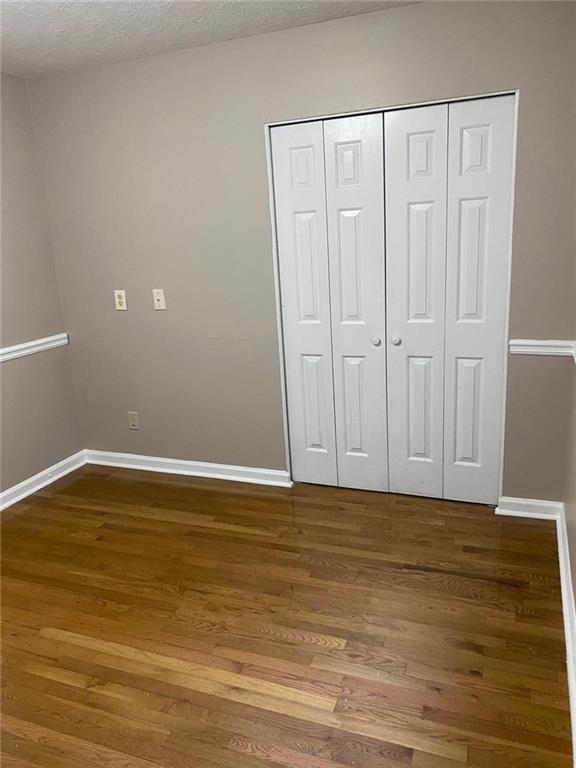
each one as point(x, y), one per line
point(288, 384)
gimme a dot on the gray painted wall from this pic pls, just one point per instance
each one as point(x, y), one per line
point(157, 177)
point(570, 464)
point(570, 489)
point(38, 410)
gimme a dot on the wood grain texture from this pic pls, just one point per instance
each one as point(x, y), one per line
point(158, 621)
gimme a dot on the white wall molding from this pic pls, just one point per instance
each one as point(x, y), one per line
point(278, 477)
point(569, 611)
point(564, 348)
point(535, 508)
point(554, 510)
point(45, 477)
point(31, 347)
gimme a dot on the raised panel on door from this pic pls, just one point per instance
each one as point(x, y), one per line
point(300, 202)
point(355, 206)
point(415, 160)
point(479, 214)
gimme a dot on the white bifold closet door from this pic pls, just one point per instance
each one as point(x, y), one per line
point(355, 204)
point(329, 198)
point(416, 153)
point(300, 200)
point(480, 179)
point(395, 366)
point(448, 211)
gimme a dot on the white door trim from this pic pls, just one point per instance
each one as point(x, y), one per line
point(267, 142)
point(389, 107)
point(508, 288)
point(278, 299)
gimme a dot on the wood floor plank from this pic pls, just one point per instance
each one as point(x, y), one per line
point(154, 621)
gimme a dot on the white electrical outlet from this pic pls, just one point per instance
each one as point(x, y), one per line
point(159, 298)
point(133, 420)
point(120, 299)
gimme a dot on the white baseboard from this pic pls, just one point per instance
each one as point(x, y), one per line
point(554, 510)
point(45, 477)
point(278, 477)
point(569, 610)
point(538, 509)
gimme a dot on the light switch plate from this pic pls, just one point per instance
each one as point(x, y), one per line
point(159, 298)
point(120, 299)
point(133, 420)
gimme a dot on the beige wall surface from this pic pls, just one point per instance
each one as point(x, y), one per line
point(39, 423)
point(570, 484)
point(570, 490)
point(157, 177)
point(38, 411)
point(30, 303)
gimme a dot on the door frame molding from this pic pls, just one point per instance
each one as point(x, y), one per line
point(272, 206)
point(278, 296)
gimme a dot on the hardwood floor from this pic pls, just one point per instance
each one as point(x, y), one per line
point(154, 620)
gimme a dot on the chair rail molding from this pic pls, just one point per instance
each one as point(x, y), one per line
point(31, 347)
point(556, 347)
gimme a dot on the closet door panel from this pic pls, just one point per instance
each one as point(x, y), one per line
point(416, 168)
point(479, 213)
point(355, 208)
point(300, 202)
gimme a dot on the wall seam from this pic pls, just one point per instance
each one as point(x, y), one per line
point(43, 184)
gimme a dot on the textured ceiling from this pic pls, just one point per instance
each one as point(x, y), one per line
point(44, 36)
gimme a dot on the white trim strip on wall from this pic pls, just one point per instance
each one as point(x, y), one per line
point(538, 509)
point(31, 347)
point(195, 468)
point(278, 298)
point(390, 108)
point(569, 612)
point(564, 348)
point(554, 510)
point(278, 477)
point(45, 477)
